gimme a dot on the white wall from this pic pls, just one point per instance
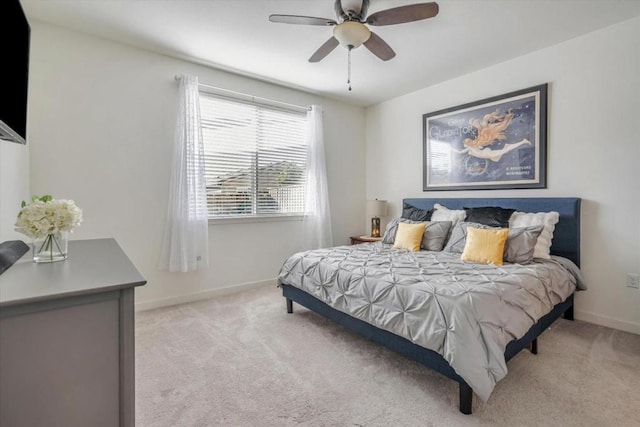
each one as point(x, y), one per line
point(102, 118)
point(593, 143)
point(14, 187)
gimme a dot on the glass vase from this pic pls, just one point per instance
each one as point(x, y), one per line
point(52, 247)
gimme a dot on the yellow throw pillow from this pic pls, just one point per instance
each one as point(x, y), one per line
point(409, 236)
point(485, 246)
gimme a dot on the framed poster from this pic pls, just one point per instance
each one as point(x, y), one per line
point(495, 143)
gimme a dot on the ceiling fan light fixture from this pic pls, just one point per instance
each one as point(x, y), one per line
point(351, 34)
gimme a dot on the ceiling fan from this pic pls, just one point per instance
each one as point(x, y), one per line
point(349, 28)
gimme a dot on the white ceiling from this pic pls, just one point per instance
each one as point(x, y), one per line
point(236, 35)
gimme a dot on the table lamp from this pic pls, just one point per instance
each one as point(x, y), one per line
point(376, 208)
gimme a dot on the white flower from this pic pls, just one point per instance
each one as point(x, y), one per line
point(40, 218)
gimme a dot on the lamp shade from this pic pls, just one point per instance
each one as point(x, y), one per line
point(376, 208)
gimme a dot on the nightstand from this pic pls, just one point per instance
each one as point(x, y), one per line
point(356, 240)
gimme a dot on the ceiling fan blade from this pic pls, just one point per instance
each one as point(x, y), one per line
point(402, 14)
point(302, 20)
point(324, 50)
point(379, 47)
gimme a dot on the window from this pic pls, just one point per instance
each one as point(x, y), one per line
point(255, 158)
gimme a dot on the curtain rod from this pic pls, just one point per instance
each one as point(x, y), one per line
point(252, 98)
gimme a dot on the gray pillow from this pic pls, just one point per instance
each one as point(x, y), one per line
point(458, 237)
point(521, 244)
point(392, 228)
point(519, 247)
point(435, 233)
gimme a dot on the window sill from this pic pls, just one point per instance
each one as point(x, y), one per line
point(252, 219)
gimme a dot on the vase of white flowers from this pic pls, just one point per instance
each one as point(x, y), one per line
point(48, 222)
point(52, 247)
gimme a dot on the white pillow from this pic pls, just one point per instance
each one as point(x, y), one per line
point(442, 213)
point(546, 219)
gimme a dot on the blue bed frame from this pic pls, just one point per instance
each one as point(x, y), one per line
point(566, 243)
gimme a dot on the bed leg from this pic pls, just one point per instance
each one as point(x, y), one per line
point(466, 398)
point(569, 313)
point(289, 306)
point(534, 346)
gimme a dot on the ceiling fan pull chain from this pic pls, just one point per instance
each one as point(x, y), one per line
point(349, 67)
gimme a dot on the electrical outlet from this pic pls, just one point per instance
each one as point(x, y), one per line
point(633, 280)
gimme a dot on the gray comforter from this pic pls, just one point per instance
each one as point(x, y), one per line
point(466, 312)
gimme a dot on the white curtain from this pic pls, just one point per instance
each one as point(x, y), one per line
point(185, 246)
point(317, 220)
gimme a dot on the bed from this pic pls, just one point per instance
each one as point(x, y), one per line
point(453, 314)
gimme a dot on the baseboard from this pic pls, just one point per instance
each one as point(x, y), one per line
point(609, 322)
point(181, 299)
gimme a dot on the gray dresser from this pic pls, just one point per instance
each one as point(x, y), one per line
point(67, 339)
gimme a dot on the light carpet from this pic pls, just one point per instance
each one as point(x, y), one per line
point(241, 360)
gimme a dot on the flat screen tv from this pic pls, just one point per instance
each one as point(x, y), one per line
point(14, 67)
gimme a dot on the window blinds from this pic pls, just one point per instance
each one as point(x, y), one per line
point(255, 158)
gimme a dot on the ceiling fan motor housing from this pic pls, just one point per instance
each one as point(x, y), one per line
point(351, 10)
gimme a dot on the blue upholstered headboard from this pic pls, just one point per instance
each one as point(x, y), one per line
point(566, 236)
